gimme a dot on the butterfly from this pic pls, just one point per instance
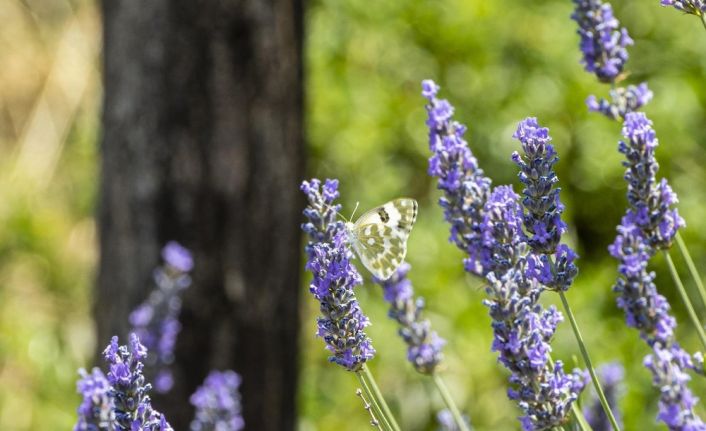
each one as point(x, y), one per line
point(380, 235)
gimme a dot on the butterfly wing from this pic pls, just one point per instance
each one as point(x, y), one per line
point(380, 236)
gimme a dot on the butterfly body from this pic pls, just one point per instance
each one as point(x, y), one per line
point(379, 236)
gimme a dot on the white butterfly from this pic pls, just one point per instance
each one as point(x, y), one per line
point(380, 236)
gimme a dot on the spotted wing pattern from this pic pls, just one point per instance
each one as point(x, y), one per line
point(380, 236)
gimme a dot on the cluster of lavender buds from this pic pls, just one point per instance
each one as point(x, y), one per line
point(465, 186)
point(447, 423)
point(96, 410)
point(156, 321)
point(694, 7)
point(217, 403)
point(603, 43)
point(424, 345)
point(132, 406)
point(342, 322)
point(611, 377)
point(523, 329)
point(622, 101)
point(648, 311)
point(552, 264)
point(651, 203)
point(676, 403)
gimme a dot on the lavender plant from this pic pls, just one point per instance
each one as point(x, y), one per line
point(96, 410)
point(156, 321)
point(423, 345)
point(604, 47)
point(693, 7)
point(465, 186)
point(217, 403)
point(611, 376)
point(129, 390)
point(342, 323)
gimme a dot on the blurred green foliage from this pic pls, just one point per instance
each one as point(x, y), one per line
point(497, 62)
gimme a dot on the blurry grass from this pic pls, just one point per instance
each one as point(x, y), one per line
point(496, 61)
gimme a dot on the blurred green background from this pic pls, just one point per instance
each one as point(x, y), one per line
point(497, 62)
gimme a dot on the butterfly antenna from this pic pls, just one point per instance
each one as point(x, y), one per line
point(355, 209)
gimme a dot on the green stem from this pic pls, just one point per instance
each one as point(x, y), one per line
point(448, 400)
point(580, 419)
point(384, 424)
point(376, 391)
point(692, 268)
point(685, 299)
point(589, 365)
point(703, 19)
point(368, 406)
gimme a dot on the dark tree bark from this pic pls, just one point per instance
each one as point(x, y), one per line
point(202, 143)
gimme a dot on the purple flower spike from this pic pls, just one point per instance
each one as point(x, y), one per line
point(603, 42)
point(651, 202)
point(465, 186)
point(96, 410)
point(156, 321)
point(217, 403)
point(132, 406)
point(611, 377)
point(177, 257)
point(424, 345)
point(342, 322)
point(694, 7)
point(552, 264)
point(523, 330)
point(623, 101)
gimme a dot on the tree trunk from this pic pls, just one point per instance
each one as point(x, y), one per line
point(202, 143)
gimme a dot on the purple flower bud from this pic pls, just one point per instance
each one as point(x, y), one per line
point(623, 101)
point(342, 322)
point(132, 406)
point(423, 345)
point(465, 186)
point(611, 378)
point(694, 7)
point(156, 321)
point(96, 410)
point(603, 43)
point(217, 403)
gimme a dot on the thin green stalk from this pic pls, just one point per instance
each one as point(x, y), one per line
point(580, 418)
point(703, 19)
point(374, 422)
point(692, 268)
point(448, 400)
point(384, 423)
point(589, 365)
point(685, 299)
point(383, 405)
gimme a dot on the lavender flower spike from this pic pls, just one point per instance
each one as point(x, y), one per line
point(465, 186)
point(603, 43)
point(342, 322)
point(96, 410)
point(424, 345)
point(132, 405)
point(623, 101)
point(522, 328)
point(217, 403)
point(694, 7)
point(611, 376)
point(648, 311)
point(651, 202)
point(156, 321)
point(552, 263)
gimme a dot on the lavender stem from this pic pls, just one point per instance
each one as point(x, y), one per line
point(692, 268)
point(378, 395)
point(587, 360)
point(685, 299)
point(383, 423)
point(448, 400)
